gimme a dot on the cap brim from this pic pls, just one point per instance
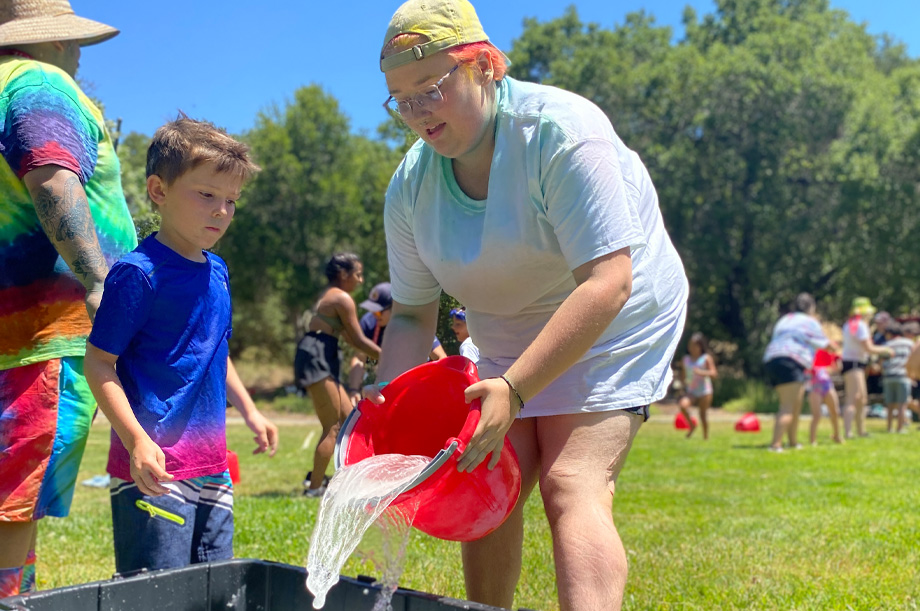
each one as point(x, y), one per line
point(371, 306)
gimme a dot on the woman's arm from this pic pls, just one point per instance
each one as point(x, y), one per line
point(872, 348)
point(407, 342)
point(352, 333)
point(604, 285)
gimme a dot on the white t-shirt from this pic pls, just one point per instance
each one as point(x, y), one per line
point(854, 333)
point(563, 191)
point(796, 336)
point(469, 350)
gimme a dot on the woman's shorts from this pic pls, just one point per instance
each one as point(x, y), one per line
point(896, 390)
point(317, 358)
point(46, 410)
point(848, 365)
point(783, 370)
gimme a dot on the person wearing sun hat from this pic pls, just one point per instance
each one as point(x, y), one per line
point(857, 347)
point(66, 222)
point(522, 202)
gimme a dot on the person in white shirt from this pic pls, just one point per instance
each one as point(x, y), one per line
point(458, 326)
point(789, 354)
point(522, 202)
point(857, 346)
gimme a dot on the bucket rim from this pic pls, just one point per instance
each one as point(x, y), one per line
point(341, 445)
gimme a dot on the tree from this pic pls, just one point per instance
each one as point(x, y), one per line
point(773, 131)
point(320, 191)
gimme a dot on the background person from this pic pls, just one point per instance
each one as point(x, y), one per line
point(581, 318)
point(317, 365)
point(379, 306)
point(458, 326)
point(873, 367)
point(698, 369)
point(158, 362)
point(65, 222)
point(789, 354)
point(857, 347)
point(896, 384)
point(821, 391)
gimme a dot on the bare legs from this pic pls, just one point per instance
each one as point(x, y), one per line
point(16, 540)
point(791, 396)
point(332, 406)
point(897, 411)
point(832, 402)
point(854, 383)
point(703, 404)
point(576, 459)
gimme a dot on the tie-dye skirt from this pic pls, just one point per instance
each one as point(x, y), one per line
point(45, 414)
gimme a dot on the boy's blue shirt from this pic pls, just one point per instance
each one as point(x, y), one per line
point(168, 320)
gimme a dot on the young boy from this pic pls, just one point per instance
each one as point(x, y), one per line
point(158, 365)
point(895, 383)
point(458, 326)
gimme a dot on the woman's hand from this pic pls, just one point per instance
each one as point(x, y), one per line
point(499, 408)
point(372, 393)
point(148, 468)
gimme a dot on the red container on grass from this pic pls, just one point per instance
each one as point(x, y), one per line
point(234, 465)
point(425, 414)
point(680, 422)
point(748, 423)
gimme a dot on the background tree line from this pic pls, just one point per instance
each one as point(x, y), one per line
point(783, 139)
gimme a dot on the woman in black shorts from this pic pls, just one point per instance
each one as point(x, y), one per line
point(790, 352)
point(317, 365)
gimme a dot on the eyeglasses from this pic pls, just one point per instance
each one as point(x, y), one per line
point(429, 98)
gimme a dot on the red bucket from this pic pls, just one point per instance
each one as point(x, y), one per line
point(680, 421)
point(748, 423)
point(233, 464)
point(425, 414)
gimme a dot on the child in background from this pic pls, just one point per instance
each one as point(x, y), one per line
point(458, 326)
point(895, 383)
point(821, 391)
point(911, 330)
point(699, 369)
point(157, 360)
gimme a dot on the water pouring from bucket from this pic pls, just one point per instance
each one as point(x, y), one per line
point(425, 414)
point(403, 454)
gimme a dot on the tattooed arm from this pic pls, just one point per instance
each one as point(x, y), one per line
point(61, 206)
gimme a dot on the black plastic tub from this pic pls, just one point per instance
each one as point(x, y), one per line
point(230, 585)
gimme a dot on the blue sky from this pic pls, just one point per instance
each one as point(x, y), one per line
point(225, 60)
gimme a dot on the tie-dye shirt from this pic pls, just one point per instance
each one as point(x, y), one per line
point(48, 120)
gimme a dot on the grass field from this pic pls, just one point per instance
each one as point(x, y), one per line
point(710, 525)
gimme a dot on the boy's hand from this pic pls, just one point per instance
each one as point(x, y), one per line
point(266, 433)
point(148, 468)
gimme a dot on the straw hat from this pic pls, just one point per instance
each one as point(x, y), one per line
point(34, 21)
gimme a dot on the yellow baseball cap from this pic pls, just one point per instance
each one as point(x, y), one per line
point(445, 23)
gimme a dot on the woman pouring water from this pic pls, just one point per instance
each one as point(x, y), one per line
point(521, 201)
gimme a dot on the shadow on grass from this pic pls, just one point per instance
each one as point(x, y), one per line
point(277, 494)
point(750, 446)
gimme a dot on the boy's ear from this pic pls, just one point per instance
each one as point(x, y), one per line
point(156, 189)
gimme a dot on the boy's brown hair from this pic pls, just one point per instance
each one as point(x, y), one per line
point(184, 144)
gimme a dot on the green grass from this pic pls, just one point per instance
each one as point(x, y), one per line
point(710, 525)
